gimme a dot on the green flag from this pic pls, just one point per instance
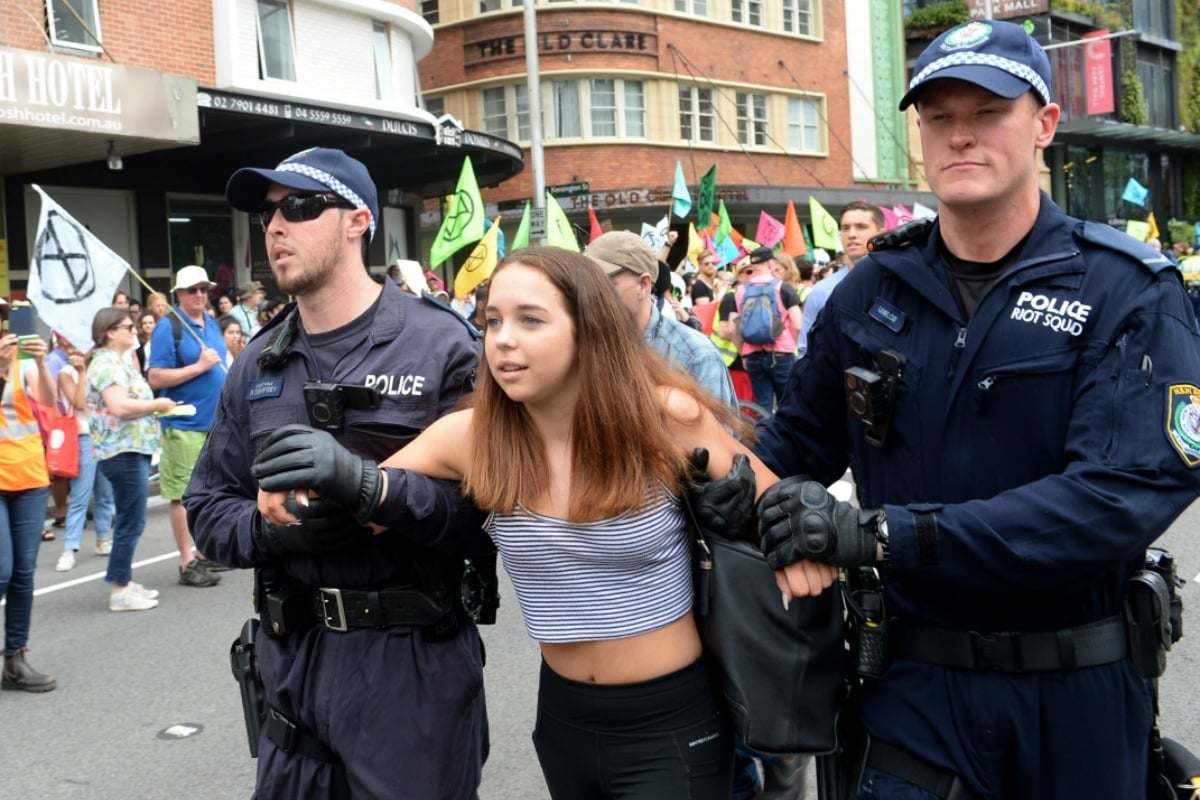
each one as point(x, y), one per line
point(724, 226)
point(521, 238)
point(826, 231)
point(464, 220)
point(559, 232)
point(705, 194)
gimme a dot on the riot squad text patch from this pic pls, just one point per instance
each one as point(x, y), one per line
point(1183, 421)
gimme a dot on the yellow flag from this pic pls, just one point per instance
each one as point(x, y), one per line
point(479, 265)
point(695, 244)
point(826, 231)
point(558, 228)
point(1153, 232)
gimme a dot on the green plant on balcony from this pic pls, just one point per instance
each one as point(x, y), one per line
point(1104, 16)
point(937, 17)
point(1133, 100)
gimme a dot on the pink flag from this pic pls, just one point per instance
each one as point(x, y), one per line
point(903, 215)
point(889, 218)
point(770, 230)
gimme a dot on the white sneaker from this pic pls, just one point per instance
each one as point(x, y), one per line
point(137, 588)
point(66, 561)
point(103, 547)
point(126, 600)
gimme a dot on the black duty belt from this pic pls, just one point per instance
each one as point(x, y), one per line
point(907, 767)
point(292, 738)
point(1088, 645)
point(343, 609)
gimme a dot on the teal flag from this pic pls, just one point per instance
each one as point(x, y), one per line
point(681, 198)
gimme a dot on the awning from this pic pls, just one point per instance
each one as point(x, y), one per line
point(240, 130)
point(1099, 133)
point(57, 110)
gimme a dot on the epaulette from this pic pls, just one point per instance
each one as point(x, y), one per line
point(1110, 238)
point(915, 232)
point(428, 297)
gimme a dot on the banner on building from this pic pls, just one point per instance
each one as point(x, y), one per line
point(1097, 73)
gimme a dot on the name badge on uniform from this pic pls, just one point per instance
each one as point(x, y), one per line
point(264, 387)
point(887, 315)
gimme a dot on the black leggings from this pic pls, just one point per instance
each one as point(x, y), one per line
point(669, 737)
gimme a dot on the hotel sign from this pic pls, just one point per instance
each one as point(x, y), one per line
point(64, 93)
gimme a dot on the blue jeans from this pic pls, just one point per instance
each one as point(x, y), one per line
point(129, 474)
point(90, 484)
point(768, 373)
point(22, 516)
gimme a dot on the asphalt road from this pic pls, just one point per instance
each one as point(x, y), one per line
point(146, 708)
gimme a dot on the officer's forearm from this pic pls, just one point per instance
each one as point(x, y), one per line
point(431, 513)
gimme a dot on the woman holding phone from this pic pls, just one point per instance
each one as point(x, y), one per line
point(24, 490)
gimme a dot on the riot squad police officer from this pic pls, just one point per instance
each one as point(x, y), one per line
point(371, 667)
point(1017, 392)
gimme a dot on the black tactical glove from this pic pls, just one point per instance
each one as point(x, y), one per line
point(723, 508)
point(300, 457)
point(799, 520)
point(322, 528)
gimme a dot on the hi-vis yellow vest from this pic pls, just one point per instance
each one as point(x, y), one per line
point(22, 459)
point(727, 347)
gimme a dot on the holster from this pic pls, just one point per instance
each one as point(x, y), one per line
point(1153, 613)
point(244, 663)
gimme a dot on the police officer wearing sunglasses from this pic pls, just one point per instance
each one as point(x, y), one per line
point(370, 662)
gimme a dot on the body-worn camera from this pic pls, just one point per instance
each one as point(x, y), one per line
point(327, 402)
point(871, 394)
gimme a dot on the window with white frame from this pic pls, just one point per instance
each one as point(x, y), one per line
point(798, 16)
point(603, 107)
point(752, 119)
point(748, 11)
point(435, 105)
point(697, 8)
point(66, 29)
point(383, 61)
point(497, 118)
point(804, 128)
point(276, 47)
point(697, 116)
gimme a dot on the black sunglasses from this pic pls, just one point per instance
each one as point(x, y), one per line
point(300, 208)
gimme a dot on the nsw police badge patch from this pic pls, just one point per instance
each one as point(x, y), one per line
point(1183, 421)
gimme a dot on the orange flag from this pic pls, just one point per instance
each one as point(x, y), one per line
point(793, 234)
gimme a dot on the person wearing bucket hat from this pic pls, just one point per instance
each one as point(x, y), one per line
point(1010, 387)
point(370, 662)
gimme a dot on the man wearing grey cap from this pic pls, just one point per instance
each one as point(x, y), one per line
point(1011, 387)
point(633, 268)
point(370, 661)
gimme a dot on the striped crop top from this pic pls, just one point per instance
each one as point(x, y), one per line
point(607, 579)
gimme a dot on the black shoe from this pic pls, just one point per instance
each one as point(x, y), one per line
point(19, 676)
point(60, 522)
point(194, 574)
point(212, 566)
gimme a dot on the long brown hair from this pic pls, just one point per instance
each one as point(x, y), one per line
point(621, 444)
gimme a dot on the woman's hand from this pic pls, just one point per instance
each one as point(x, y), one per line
point(805, 579)
point(272, 506)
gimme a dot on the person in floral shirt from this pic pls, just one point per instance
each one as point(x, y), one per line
point(125, 436)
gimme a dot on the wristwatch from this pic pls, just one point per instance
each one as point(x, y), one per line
point(881, 535)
